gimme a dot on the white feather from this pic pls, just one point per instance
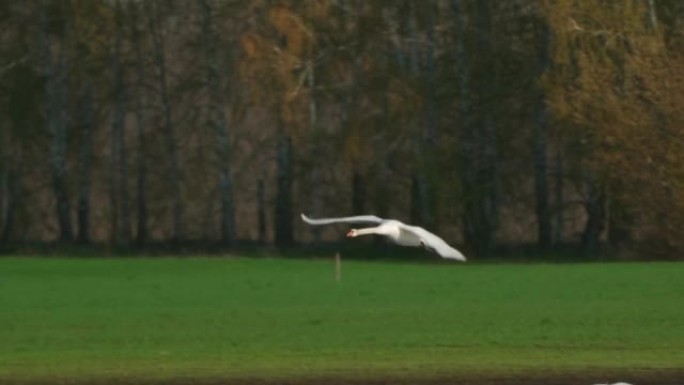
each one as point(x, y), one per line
point(356, 219)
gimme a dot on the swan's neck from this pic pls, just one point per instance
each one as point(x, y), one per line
point(367, 231)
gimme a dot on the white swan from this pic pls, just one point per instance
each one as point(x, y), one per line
point(400, 233)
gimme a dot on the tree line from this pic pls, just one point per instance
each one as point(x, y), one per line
point(525, 122)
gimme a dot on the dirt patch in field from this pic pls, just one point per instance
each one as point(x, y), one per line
point(587, 377)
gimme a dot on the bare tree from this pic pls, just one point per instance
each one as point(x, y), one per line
point(425, 139)
point(24, 94)
point(315, 145)
point(559, 197)
point(120, 198)
point(87, 125)
point(139, 105)
point(540, 145)
point(284, 231)
point(56, 94)
point(175, 177)
point(215, 83)
point(351, 102)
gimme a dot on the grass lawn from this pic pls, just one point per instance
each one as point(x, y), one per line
point(161, 318)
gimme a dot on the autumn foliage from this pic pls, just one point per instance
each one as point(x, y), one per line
point(552, 123)
point(616, 88)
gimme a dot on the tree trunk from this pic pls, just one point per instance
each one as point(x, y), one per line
point(114, 234)
point(560, 208)
point(541, 189)
point(490, 169)
point(620, 221)
point(315, 181)
point(215, 82)
point(430, 71)
point(55, 103)
point(467, 145)
point(121, 233)
point(395, 27)
point(86, 163)
point(140, 104)
point(5, 195)
point(173, 166)
point(479, 163)
point(351, 107)
point(596, 216)
point(283, 211)
point(11, 177)
point(419, 200)
point(426, 135)
point(358, 193)
point(261, 212)
point(540, 148)
point(652, 15)
point(383, 173)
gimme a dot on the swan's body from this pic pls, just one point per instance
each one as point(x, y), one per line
point(400, 233)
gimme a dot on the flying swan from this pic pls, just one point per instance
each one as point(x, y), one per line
point(400, 233)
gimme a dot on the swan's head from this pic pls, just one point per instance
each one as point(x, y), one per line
point(352, 233)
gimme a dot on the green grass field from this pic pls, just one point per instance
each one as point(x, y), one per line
point(273, 318)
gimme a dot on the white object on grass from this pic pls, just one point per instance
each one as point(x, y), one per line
point(398, 232)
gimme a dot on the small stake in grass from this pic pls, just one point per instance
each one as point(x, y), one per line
point(338, 267)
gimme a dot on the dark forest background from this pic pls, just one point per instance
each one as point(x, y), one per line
point(543, 123)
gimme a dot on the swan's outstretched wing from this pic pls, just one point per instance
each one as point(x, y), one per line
point(355, 219)
point(433, 242)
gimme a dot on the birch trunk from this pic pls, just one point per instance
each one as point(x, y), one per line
point(652, 15)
